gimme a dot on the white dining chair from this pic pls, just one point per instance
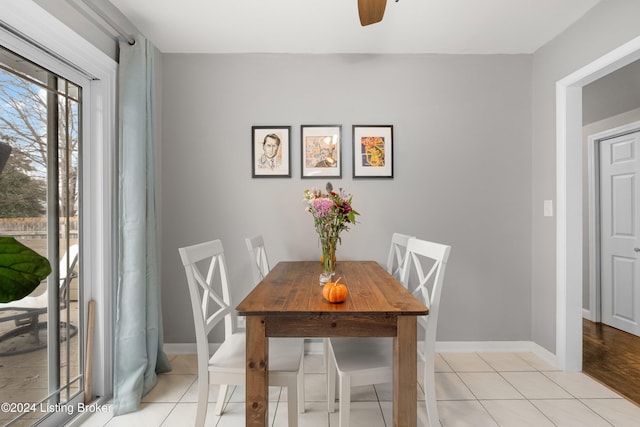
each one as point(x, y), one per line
point(258, 256)
point(211, 303)
point(397, 253)
point(260, 268)
point(365, 361)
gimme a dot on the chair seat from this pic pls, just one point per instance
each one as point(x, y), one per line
point(379, 353)
point(284, 354)
point(348, 354)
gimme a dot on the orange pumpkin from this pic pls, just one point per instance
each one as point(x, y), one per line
point(334, 292)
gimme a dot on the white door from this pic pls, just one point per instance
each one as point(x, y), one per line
point(619, 230)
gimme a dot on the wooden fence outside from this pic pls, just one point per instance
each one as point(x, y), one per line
point(34, 228)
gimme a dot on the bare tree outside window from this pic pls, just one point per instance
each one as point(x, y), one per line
point(24, 110)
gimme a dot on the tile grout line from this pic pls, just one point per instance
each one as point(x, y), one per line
point(503, 374)
point(529, 400)
point(375, 390)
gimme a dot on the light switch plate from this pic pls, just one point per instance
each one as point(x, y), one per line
point(548, 208)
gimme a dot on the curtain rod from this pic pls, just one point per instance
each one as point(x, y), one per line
point(109, 21)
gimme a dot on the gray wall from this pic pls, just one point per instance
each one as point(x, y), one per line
point(462, 124)
point(611, 95)
point(462, 127)
point(608, 25)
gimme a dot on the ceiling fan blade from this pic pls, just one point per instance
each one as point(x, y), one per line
point(371, 11)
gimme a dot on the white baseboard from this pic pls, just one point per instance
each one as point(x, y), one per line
point(497, 346)
point(186, 348)
point(315, 346)
point(587, 314)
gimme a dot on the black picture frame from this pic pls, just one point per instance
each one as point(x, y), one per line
point(373, 151)
point(265, 163)
point(321, 151)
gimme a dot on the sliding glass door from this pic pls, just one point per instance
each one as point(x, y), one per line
point(41, 351)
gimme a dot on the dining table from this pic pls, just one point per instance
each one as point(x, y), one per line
point(288, 302)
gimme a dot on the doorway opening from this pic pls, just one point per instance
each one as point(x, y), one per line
point(569, 233)
point(609, 352)
point(612, 241)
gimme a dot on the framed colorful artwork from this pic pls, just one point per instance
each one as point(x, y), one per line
point(270, 151)
point(321, 151)
point(373, 151)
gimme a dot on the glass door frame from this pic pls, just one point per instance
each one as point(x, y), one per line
point(31, 32)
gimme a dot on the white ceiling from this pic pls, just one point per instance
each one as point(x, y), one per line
point(332, 26)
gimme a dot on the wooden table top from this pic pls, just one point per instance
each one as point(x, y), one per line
point(292, 288)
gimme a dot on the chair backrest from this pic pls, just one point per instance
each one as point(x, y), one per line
point(421, 255)
point(397, 253)
point(258, 256)
point(207, 305)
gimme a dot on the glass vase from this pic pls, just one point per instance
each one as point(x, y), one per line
point(328, 260)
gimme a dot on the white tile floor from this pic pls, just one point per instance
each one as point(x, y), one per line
point(473, 389)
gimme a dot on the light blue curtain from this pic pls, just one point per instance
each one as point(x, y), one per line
point(138, 329)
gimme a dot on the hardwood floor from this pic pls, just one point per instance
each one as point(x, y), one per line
point(612, 357)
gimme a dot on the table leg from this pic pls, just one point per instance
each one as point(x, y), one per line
point(405, 373)
point(257, 375)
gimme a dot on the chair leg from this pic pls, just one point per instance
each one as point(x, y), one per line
point(430, 391)
point(222, 396)
point(203, 397)
point(325, 353)
point(35, 329)
point(300, 380)
point(345, 400)
point(331, 381)
point(292, 403)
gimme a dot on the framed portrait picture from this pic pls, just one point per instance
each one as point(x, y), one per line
point(373, 151)
point(270, 151)
point(321, 151)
